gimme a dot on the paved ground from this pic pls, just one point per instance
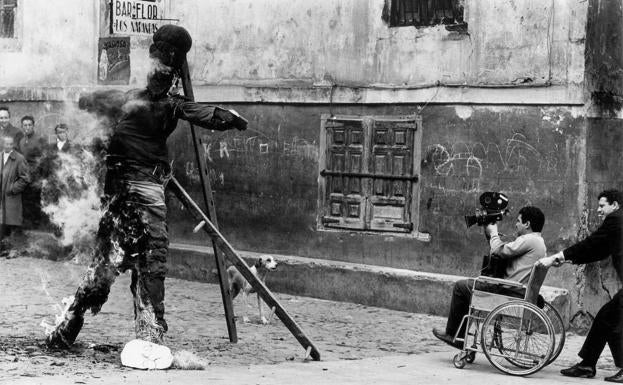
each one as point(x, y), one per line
point(358, 344)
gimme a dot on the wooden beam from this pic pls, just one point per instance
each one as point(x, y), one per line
point(243, 268)
point(208, 200)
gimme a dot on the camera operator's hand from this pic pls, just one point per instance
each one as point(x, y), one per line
point(491, 229)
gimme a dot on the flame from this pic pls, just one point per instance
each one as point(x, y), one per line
point(117, 253)
point(71, 197)
point(58, 318)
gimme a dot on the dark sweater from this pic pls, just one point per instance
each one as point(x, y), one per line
point(606, 241)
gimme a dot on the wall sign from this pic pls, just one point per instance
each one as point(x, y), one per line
point(113, 60)
point(136, 17)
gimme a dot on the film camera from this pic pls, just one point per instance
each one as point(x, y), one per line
point(493, 209)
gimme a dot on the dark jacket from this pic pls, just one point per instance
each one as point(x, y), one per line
point(11, 131)
point(15, 178)
point(31, 147)
point(53, 148)
point(142, 124)
point(606, 241)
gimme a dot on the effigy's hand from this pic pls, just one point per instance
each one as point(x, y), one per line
point(232, 118)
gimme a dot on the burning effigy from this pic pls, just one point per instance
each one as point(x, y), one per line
point(131, 229)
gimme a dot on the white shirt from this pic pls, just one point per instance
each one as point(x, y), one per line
point(6, 156)
point(60, 144)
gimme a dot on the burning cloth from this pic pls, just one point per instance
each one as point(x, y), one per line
point(132, 231)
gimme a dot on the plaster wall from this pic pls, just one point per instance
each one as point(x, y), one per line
point(55, 46)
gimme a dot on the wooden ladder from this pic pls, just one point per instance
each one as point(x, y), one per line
point(219, 243)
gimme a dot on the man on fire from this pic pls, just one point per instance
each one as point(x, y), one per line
point(132, 233)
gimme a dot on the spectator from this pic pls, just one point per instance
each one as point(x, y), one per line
point(6, 128)
point(62, 142)
point(31, 146)
point(14, 179)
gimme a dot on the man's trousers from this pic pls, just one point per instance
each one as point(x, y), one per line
point(606, 328)
point(132, 235)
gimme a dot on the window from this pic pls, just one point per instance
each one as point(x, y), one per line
point(423, 13)
point(8, 12)
point(369, 172)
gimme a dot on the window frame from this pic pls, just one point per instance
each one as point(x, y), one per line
point(13, 43)
point(396, 5)
point(413, 198)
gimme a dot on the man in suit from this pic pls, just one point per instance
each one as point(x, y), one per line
point(607, 327)
point(14, 178)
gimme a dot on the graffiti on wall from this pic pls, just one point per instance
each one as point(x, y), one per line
point(257, 143)
point(251, 143)
point(472, 161)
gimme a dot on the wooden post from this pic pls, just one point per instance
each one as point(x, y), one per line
point(208, 200)
point(243, 268)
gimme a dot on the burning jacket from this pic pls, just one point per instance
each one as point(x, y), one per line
point(141, 124)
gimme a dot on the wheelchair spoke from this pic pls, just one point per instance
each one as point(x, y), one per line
point(517, 338)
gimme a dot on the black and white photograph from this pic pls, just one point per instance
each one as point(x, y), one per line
point(278, 192)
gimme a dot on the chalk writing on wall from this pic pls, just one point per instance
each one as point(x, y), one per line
point(192, 172)
point(471, 162)
point(229, 146)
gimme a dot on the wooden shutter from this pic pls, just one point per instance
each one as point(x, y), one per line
point(391, 161)
point(367, 172)
point(344, 198)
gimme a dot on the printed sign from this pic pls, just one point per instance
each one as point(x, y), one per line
point(113, 60)
point(136, 17)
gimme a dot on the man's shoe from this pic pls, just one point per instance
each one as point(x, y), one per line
point(618, 378)
point(447, 339)
point(578, 370)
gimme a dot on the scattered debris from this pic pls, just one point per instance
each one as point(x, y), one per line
point(186, 360)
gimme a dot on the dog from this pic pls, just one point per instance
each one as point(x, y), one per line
point(237, 284)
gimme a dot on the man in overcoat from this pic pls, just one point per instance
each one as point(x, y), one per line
point(14, 179)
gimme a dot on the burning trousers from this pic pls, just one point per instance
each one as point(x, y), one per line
point(132, 236)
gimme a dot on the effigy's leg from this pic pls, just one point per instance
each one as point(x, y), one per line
point(148, 277)
point(93, 291)
point(116, 234)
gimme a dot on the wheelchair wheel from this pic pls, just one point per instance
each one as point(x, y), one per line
point(459, 361)
point(517, 338)
point(559, 330)
point(470, 357)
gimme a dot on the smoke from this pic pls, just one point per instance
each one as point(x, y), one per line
point(70, 197)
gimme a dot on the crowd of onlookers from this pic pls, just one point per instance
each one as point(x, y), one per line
point(28, 158)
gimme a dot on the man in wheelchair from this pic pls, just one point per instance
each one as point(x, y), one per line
point(517, 257)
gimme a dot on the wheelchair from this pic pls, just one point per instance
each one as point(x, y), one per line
point(517, 336)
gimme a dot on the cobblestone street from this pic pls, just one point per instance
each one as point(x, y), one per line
point(341, 331)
